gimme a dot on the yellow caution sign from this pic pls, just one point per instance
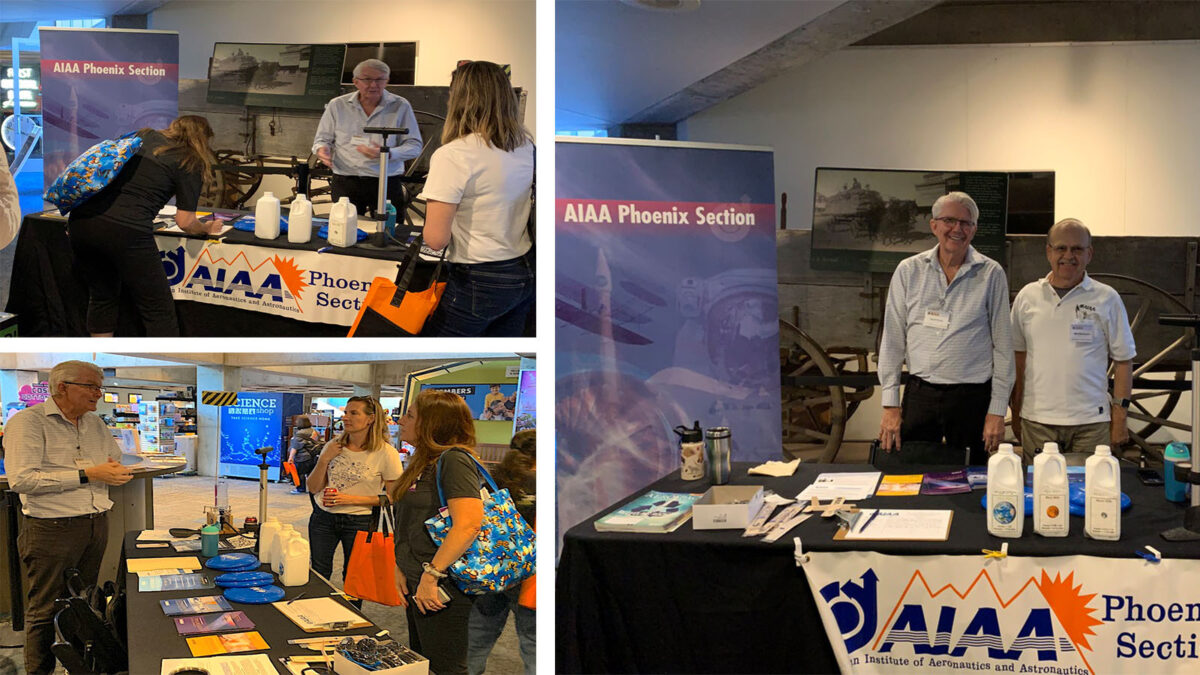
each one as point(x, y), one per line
point(219, 398)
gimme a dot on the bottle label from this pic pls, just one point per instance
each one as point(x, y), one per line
point(1003, 511)
point(1052, 515)
point(691, 461)
point(1105, 516)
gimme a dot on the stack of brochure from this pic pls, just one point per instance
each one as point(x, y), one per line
point(652, 512)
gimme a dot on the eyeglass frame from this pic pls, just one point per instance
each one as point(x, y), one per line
point(957, 221)
point(375, 80)
point(1074, 250)
point(96, 387)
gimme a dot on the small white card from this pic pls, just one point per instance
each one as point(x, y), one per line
point(1082, 331)
point(359, 140)
point(938, 319)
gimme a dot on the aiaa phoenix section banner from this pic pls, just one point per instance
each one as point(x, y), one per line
point(297, 284)
point(100, 84)
point(1069, 615)
point(666, 308)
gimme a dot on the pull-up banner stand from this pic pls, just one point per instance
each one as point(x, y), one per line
point(666, 309)
point(98, 84)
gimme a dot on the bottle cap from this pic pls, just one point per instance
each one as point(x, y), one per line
point(1103, 451)
point(268, 193)
point(693, 435)
point(1050, 446)
point(1006, 447)
point(210, 529)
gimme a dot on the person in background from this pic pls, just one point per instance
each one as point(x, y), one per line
point(363, 467)
point(439, 426)
point(1066, 328)
point(947, 318)
point(112, 234)
point(302, 452)
point(10, 204)
point(477, 203)
point(61, 460)
point(342, 145)
point(517, 473)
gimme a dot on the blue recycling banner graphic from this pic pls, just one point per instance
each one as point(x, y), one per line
point(98, 84)
point(488, 402)
point(257, 421)
point(666, 311)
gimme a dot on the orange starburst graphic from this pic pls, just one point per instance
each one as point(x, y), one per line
point(292, 276)
point(1069, 606)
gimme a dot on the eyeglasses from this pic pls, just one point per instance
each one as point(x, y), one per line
point(372, 80)
point(1075, 250)
point(93, 387)
point(957, 221)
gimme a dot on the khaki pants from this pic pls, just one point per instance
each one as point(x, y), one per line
point(1081, 438)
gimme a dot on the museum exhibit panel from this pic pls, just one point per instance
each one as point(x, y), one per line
point(206, 438)
point(267, 253)
point(794, 266)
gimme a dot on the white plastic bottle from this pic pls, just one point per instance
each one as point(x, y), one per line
point(300, 220)
point(285, 533)
point(1102, 487)
point(266, 216)
point(343, 223)
point(1005, 494)
point(296, 560)
point(267, 533)
point(1051, 516)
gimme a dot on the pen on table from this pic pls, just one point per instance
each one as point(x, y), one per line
point(860, 530)
point(324, 249)
point(296, 598)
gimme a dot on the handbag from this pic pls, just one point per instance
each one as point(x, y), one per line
point(371, 574)
point(91, 172)
point(504, 552)
point(394, 308)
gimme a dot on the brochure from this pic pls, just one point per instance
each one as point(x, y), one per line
point(175, 582)
point(213, 623)
point(228, 643)
point(899, 525)
point(197, 605)
point(652, 512)
point(853, 485)
point(977, 477)
point(947, 483)
point(900, 485)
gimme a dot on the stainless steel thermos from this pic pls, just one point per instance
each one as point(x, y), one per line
point(717, 443)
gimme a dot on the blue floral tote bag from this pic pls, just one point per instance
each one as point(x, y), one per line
point(504, 552)
point(91, 172)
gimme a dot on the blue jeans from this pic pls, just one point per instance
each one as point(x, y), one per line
point(325, 531)
point(486, 299)
point(488, 616)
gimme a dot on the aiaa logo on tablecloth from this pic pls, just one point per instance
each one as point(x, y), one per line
point(1045, 620)
point(273, 279)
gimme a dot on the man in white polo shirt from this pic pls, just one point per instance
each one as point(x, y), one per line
point(1065, 329)
point(61, 458)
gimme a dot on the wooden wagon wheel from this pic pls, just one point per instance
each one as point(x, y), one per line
point(231, 189)
point(1161, 350)
point(814, 416)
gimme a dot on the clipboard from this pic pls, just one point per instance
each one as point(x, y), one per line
point(889, 531)
point(319, 615)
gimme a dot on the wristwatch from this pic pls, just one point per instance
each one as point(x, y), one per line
point(83, 479)
point(433, 571)
point(1124, 403)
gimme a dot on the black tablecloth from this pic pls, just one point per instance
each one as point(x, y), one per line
point(152, 634)
point(713, 601)
point(50, 298)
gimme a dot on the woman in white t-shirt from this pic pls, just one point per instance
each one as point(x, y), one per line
point(363, 468)
point(478, 202)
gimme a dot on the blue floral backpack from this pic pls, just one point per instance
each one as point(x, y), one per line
point(91, 172)
point(502, 555)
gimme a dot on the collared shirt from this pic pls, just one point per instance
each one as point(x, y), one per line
point(344, 119)
point(43, 455)
point(948, 333)
point(1068, 342)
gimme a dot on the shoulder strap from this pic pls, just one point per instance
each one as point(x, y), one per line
point(482, 472)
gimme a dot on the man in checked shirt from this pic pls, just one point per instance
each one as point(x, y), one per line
point(947, 318)
point(61, 459)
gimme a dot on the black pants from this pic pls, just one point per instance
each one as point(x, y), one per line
point(364, 191)
point(440, 636)
point(48, 548)
point(114, 257)
point(947, 413)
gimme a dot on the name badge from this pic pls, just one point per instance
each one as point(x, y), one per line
point(1082, 331)
point(359, 140)
point(937, 319)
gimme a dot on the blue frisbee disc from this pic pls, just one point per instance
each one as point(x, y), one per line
point(233, 562)
point(254, 595)
point(244, 579)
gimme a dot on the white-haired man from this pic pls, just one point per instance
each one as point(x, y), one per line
point(353, 154)
point(947, 318)
point(61, 459)
point(1066, 328)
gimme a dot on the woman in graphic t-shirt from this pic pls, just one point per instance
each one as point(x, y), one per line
point(363, 467)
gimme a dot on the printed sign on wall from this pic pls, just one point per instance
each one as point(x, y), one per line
point(255, 422)
point(488, 402)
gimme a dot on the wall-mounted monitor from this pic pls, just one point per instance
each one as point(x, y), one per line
point(135, 398)
point(401, 58)
point(868, 220)
point(112, 398)
point(275, 75)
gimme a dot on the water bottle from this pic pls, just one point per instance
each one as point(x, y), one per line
point(1051, 517)
point(266, 216)
point(296, 561)
point(1102, 487)
point(717, 443)
point(343, 224)
point(1176, 490)
point(1005, 493)
point(300, 220)
point(691, 452)
point(209, 542)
